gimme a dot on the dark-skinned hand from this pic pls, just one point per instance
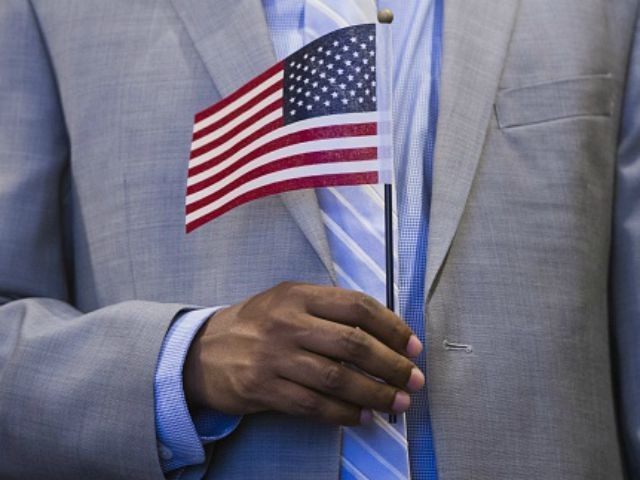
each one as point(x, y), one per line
point(290, 348)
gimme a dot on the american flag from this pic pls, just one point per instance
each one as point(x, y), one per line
point(318, 118)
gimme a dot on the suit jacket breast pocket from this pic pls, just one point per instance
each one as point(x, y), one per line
point(583, 96)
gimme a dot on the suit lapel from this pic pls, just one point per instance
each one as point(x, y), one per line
point(233, 40)
point(476, 39)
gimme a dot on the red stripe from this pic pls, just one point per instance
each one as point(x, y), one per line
point(238, 93)
point(238, 111)
point(286, 186)
point(313, 158)
point(319, 133)
point(269, 127)
point(272, 107)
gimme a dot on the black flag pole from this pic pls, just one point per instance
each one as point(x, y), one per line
point(388, 237)
point(386, 16)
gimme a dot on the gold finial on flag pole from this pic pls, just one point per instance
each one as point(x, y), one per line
point(385, 15)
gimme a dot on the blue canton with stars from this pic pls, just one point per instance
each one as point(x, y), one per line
point(333, 74)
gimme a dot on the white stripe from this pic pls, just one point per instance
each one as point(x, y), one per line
point(296, 149)
point(352, 283)
point(339, 20)
point(220, 149)
point(288, 174)
point(377, 196)
point(393, 470)
point(219, 115)
point(382, 423)
point(351, 468)
point(363, 221)
point(353, 246)
point(323, 121)
point(219, 132)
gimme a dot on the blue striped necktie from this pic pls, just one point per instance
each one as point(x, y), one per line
point(354, 222)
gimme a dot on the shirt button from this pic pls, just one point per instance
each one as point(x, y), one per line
point(165, 453)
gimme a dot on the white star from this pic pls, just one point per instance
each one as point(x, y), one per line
point(353, 39)
point(299, 66)
point(299, 77)
point(313, 59)
point(340, 71)
point(306, 80)
point(342, 86)
point(300, 103)
point(371, 38)
point(365, 61)
point(373, 83)
point(293, 112)
point(352, 93)
point(336, 43)
point(299, 89)
point(338, 57)
point(327, 52)
point(332, 80)
point(316, 98)
point(327, 103)
point(345, 101)
point(292, 99)
point(324, 89)
point(292, 64)
point(356, 54)
point(373, 68)
point(314, 84)
point(320, 48)
point(334, 94)
point(350, 77)
point(363, 46)
point(360, 99)
point(372, 53)
point(367, 91)
point(323, 75)
point(307, 93)
point(373, 98)
point(306, 67)
point(345, 48)
point(292, 75)
point(347, 63)
point(358, 69)
point(321, 62)
point(313, 71)
point(291, 88)
point(309, 107)
point(306, 55)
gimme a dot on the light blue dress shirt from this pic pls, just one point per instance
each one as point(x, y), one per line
point(181, 437)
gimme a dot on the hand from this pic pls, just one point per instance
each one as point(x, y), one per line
point(283, 350)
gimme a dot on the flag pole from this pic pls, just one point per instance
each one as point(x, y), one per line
point(386, 16)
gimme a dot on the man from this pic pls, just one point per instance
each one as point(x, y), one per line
point(97, 103)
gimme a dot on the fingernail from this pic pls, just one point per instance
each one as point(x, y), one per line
point(414, 346)
point(365, 416)
point(416, 380)
point(401, 402)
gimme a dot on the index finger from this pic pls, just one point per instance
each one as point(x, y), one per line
point(358, 309)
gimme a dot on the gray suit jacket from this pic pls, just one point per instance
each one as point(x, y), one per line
point(96, 107)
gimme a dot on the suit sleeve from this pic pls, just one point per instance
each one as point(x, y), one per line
point(76, 388)
point(625, 293)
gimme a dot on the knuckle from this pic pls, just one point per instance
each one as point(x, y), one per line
point(401, 370)
point(364, 305)
point(356, 343)
point(333, 377)
point(306, 403)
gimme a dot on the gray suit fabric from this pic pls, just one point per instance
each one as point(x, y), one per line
point(531, 192)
